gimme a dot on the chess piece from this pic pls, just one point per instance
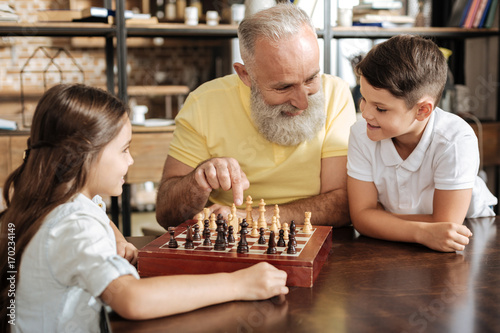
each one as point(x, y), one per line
point(307, 228)
point(220, 242)
point(199, 219)
point(213, 224)
point(234, 220)
point(230, 234)
point(206, 213)
point(206, 234)
point(189, 238)
point(262, 239)
point(281, 239)
point(249, 217)
point(262, 216)
point(274, 225)
point(255, 229)
point(224, 224)
point(293, 232)
point(196, 235)
point(291, 244)
point(286, 230)
point(172, 243)
point(243, 245)
point(277, 214)
point(271, 249)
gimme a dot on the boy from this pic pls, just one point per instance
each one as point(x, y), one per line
point(412, 167)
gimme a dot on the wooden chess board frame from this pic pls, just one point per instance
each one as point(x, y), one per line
point(157, 259)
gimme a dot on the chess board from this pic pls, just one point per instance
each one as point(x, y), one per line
point(302, 268)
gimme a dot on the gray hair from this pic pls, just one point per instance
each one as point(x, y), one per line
point(273, 24)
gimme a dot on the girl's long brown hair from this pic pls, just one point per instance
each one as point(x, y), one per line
point(71, 125)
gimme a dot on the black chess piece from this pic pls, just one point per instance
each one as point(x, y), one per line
point(189, 239)
point(206, 234)
point(230, 235)
point(220, 242)
point(281, 239)
point(243, 245)
point(293, 229)
point(271, 249)
point(196, 235)
point(291, 247)
point(172, 243)
point(225, 233)
point(262, 239)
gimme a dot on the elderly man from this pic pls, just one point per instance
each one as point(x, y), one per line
point(277, 131)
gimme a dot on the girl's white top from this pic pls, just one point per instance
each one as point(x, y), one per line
point(64, 269)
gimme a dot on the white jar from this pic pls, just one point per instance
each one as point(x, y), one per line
point(191, 15)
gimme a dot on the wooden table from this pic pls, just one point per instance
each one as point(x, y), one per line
point(369, 285)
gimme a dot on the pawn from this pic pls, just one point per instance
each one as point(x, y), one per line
point(271, 249)
point(286, 229)
point(293, 229)
point(196, 235)
point(199, 220)
point(189, 238)
point(213, 223)
point(274, 225)
point(243, 245)
point(172, 243)
point(206, 234)
point(262, 239)
point(281, 239)
point(230, 234)
point(291, 246)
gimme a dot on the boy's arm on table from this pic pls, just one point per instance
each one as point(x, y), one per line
point(370, 220)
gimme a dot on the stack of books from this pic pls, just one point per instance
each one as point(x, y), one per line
point(473, 13)
point(381, 13)
point(91, 14)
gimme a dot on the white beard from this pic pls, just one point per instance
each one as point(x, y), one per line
point(273, 123)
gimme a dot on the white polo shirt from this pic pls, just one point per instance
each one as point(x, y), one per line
point(446, 158)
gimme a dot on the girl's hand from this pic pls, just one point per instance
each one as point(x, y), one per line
point(445, 236)
point(127, 250)
point(260, 281)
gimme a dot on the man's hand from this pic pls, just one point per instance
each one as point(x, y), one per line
point(224, 173)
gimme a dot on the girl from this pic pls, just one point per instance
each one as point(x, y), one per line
point(65, 246)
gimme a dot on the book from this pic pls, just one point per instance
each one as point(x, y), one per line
point(380, 4)
point(466, 11)
point(485, 14)
point(58, 15)
point(471, 14)
point(479, 13)
point(491, 14)
point(457, 12)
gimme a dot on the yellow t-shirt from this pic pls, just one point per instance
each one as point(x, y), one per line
point(215, 122)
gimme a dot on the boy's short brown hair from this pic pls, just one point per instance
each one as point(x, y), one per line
point(407, 66)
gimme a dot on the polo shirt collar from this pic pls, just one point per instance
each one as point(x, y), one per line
point(390, 155)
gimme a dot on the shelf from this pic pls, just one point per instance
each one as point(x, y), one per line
point(182, 30)
point(375, 32)
point(55, 29)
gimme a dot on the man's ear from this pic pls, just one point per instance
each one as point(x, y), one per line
point(425, 108)
point(242, 73)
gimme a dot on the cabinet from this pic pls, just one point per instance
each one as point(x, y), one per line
point(150, 146)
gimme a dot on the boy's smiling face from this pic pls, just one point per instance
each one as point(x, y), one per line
point(386, 116)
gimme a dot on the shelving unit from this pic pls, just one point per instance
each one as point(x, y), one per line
point(121, 31)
